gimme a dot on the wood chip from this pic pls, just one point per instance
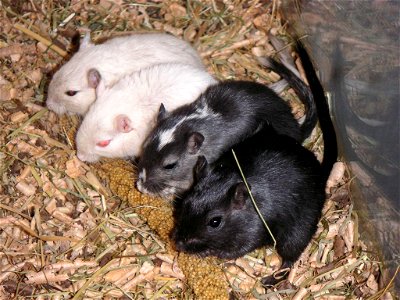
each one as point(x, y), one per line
point(372, 284)
point(146, 268)
point(24, 173)
point(167, 269)
point(62, 217)
point(51, 206)
point(302, 292)
point(43, 277)
point(339, 247)
point(18, 117)
point(74, 168)
point(16, 49)
point(348, 236)
point(25, 188)
point(336, 175)
point(127, 276)
point(166, 257)
point(134, 282)
point(244, 264)
point(119, 275)
point(35, 75)
point(5, 93)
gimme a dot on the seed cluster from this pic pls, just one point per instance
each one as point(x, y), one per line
point(70, 125)
point(203, 275)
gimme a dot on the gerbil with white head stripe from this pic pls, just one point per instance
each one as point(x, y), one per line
point(225, 114)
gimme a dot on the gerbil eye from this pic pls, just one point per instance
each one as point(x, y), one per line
point(215, 222)
point(71, 93)
point(170, 166)
point(103, 143)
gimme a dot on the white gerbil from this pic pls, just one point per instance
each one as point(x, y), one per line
point(72, 89)
point(122, 116)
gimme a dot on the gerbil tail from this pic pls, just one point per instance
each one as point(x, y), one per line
point(322, 107)
point(302, 90)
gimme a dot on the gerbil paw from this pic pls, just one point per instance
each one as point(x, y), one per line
point(273, 279)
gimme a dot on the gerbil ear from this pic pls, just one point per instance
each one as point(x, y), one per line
point(123, 123)
point(241, 195)
point(162, 113)
point(100, 88)
point(200, 168)
point(94, 78)
point(86, 42)
point(194, 142)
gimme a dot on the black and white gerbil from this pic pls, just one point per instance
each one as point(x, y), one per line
point(217, 216)
point(225, 114)
point(72, 88)
point(123, 115)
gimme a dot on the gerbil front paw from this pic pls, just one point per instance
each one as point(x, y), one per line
point(273, 279)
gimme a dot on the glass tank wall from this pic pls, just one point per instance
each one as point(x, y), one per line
point(356, 46)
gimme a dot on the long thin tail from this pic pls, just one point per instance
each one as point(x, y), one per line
point(322, 107)
point(302, 90)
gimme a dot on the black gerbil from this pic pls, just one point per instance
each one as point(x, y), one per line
point(225, 114)
point(217, 216)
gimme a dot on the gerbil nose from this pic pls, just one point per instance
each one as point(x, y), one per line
point(179, 243)
point(83, 156)
point(53, 105)
point(50, 103)
point(180, 239)
point(80, 156)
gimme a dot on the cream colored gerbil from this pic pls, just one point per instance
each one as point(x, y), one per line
point(72, 88)
point(122, 116)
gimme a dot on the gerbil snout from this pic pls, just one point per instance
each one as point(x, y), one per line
point(180, 245)
point(185, 243)
point(55, 106)
point(148, 186)
point(87, 157)
point(178, 240)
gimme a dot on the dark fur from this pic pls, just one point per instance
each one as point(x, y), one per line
point(287, 183)
point(235, 110)
point(286, 180)
point(303, 92)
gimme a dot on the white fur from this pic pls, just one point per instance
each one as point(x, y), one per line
point(167, 136)
point(138, 96)
point(142, 175)
point(114, 59)
point(166, 193)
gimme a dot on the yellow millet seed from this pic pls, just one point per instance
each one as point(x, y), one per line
point(144, 211)
point(155, 217)
point(133, 197)
point(70, 125)
point(203, 274)
point(122, 190)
